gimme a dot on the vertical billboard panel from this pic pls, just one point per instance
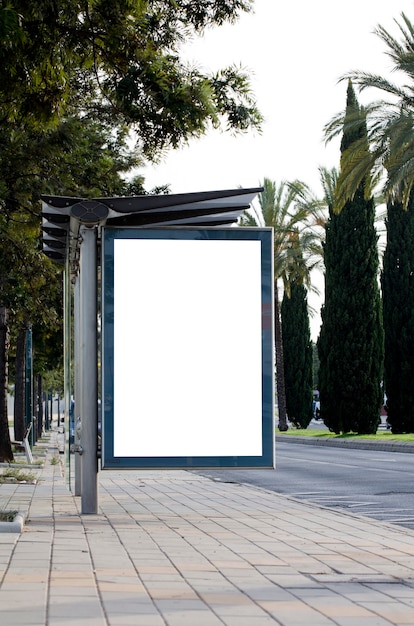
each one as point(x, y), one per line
point(187, 363)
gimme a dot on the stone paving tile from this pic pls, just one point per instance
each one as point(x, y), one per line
point(393, 588)
point(372, 620)
point(398, 571)
point(190, 617)
point(161, 591)
point(356, 592)
point(293, 613)
point(84, 611)
point(395, 612)
point(336, 606)
point(71, 591)
point(291, 581)
point(241, 620)
point(12, 595)
point(23, 617)
point(66, 619)
point(135, 620)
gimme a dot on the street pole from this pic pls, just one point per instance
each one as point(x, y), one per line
point(77, 384)
point(89, 377)
point(67, 358)
point(29, 383)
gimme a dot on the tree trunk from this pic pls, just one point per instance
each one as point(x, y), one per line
point(34, 410)
point(46, 410)
point(280, 370)
point(20, 387)
point(51, 410)
point(6, 454)
point(39, 411)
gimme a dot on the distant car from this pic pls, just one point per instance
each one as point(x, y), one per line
point(316, 405)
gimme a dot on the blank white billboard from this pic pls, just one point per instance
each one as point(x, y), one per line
point(187, 349)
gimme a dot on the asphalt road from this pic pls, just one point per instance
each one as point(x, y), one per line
point(372, 483)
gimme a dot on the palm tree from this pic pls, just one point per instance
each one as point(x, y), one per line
point(390, 126)
point(290, 210)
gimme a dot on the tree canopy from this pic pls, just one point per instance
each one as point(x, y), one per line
point(120, 60)
point(390, 127)
point(80, 82)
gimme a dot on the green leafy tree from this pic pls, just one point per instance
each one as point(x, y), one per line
point(75, 157)
point(287, 209)
point(351, 340)
point(398, 305)
point(297, 354)
point(27, 285)
point(77, 81)
point(119, 61)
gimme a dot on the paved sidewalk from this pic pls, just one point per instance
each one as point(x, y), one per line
point(178, 549)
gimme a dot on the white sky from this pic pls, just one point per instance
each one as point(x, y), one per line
point(296, 51)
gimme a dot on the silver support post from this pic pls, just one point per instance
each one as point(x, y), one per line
point(88, 357)
point(77, 384)
point(67, 357)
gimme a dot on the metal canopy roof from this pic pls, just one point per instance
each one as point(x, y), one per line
point(62, 216)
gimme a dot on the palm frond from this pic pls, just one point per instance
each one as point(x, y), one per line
point(389, 124)
point(365, 80)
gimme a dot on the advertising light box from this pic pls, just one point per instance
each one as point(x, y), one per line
point(187, 348)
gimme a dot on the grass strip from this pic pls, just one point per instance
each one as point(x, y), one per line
point(326, 434)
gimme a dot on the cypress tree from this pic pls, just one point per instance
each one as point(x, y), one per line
point(297, 355)
point(315, 366)
point(398, 303)
point(350, 345)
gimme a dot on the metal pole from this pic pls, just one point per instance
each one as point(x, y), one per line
point(77, 384)
point(88, 357)
point(29, 383)
point(67, 326)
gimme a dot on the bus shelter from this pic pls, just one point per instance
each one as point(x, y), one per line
point(171, 346)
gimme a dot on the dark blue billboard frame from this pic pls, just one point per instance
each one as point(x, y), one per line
point(267, 458)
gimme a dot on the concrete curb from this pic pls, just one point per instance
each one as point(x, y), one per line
point(386, 446)
point(16, 526)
